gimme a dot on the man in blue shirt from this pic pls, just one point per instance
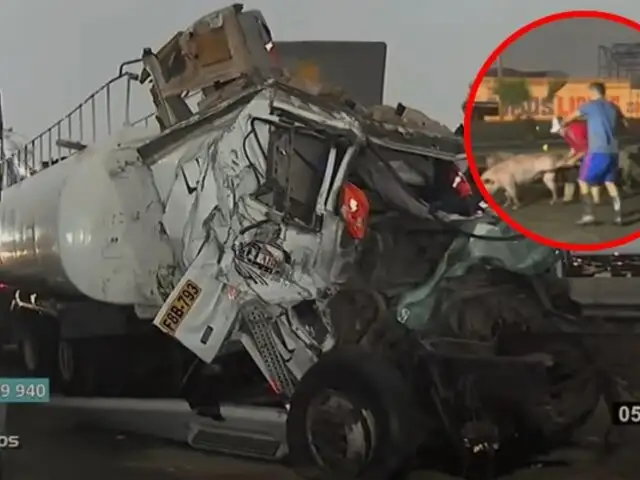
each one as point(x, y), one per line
point(600, 164)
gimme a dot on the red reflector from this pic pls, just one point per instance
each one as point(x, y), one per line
point(355, 210)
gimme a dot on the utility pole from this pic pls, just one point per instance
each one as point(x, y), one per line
point(1, 132)
point(499, 67)
point(3, 169)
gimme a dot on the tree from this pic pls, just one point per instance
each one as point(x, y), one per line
point(554, 86)
point(512, 92)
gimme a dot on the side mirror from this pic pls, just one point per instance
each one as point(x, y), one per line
point(355, 210)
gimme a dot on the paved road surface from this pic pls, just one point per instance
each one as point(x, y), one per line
point(55, 448)
point(558, 221)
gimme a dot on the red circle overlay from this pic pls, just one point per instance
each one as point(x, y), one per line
point(473, 166)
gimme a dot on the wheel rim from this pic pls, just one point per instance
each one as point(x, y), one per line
point(29, 354)
point(341, 436)
point(65, 361)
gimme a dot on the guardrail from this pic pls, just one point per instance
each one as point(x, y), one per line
point(481, 147)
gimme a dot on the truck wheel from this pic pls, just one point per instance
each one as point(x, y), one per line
point(37, 344)
point(486, 303)
point(86, 367)
point(352, 416)
point(76, 376)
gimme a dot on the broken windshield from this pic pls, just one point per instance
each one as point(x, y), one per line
point(296, 164)
point(413, 183)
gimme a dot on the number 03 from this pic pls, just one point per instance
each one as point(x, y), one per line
point(629, 414)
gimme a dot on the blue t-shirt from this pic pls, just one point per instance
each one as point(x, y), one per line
point(602, 118)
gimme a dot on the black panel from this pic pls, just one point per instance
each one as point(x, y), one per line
point(358, 67)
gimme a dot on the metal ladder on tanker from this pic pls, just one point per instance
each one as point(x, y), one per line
point(84, 124)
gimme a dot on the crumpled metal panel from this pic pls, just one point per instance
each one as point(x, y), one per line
point(520, 255)
point(250, 254)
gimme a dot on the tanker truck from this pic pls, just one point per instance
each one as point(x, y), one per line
point(315, 278)
point(73, 350)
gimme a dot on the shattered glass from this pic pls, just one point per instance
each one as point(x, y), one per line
point(520, 255)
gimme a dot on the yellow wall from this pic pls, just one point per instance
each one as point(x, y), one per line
point(568, 99)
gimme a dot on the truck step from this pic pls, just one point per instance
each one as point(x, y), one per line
point(259, 325)
point(251, 431)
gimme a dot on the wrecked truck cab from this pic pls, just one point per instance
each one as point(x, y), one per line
point(329, 226)
point(215, 57)
point(336, 238)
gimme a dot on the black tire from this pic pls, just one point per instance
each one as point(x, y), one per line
point(88, 367)
point(37, 338)
point(576, 389)
point(484, 303)
point(75, 372)
point(371, 385)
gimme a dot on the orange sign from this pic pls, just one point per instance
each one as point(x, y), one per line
point(308, 71)
point(541, 108)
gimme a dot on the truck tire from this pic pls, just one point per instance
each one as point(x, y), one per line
point(37, 338)
point(90, 367)
point(350, 400)
point(75, 375)
point(485, 302)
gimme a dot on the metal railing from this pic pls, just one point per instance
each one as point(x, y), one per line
point(90, 121)
point(79, 125)
point(537, 144)
point(83, 125)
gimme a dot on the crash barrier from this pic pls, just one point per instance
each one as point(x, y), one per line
point(528, 136)
point(537, 145)
point(482, 150)
point(527, 130)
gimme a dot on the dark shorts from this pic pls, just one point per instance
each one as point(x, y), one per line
point(599, 168)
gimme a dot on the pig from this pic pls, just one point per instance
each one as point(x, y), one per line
point(508, 171)
point(496, 158)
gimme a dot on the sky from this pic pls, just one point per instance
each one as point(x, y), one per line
point(55, 52)
point(570, 46)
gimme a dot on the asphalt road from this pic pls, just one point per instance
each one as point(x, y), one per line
point(55, 447)
point(558, 222)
